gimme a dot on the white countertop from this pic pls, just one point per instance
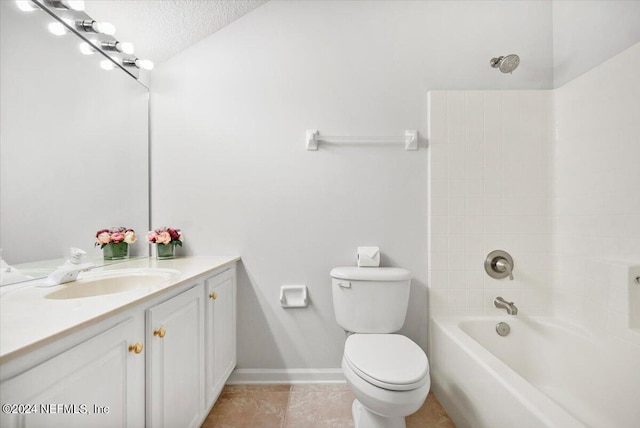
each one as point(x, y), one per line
point(29, 321)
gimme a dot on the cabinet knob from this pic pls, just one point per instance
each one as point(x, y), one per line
point(160, 332)
point(137, 348)
point(213, 296)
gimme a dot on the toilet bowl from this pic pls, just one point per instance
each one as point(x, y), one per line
point(389, 375)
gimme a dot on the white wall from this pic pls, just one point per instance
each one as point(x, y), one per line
point(587, 32)
point(596, 183)
point(489, 191)
point(229, 164)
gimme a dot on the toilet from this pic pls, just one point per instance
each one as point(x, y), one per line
point(388, 373)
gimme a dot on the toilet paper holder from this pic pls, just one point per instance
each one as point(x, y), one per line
point(294, 296)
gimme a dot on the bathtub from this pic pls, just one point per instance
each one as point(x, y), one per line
point(543, 374)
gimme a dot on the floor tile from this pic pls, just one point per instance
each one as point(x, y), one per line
point(320, 406)
point(303, 406)
point(244, 408)
point(430, 415)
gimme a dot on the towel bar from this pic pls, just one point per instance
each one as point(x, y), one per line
point(410, 139)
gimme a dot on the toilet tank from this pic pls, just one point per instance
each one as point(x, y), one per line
point(370, 300)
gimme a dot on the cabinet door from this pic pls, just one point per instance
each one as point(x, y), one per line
point(175, 363)
point(220, 331)
point(99, 383)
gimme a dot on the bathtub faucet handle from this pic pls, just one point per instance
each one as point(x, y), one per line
point(503, 265)
point(499, 264)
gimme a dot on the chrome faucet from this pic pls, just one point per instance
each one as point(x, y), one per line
point(500, 303)
point(69, 271)
point(65, 274)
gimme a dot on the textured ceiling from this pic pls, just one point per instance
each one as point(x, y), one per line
point(160, 29)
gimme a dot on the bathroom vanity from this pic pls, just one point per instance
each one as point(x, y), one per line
point(154, 355)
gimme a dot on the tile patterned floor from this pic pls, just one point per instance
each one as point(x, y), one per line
point(303, 406)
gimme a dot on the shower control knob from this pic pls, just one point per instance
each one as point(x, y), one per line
point(499, 264)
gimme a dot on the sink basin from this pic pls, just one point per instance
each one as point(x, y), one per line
point(91, 284)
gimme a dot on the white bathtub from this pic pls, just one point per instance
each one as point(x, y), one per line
point(543, 374)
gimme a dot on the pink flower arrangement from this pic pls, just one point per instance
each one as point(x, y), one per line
point(115, 235)
point(166, 236)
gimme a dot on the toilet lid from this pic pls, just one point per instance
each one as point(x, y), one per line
point(390, 361)
point(370, 273)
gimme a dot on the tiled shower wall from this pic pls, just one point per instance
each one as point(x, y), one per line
point(552, 177)
point(596, 192)
point(489, 190)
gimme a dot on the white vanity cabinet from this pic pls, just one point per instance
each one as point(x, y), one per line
point(98, 383)
point(220, 331)
point(175, 361)
point(159, 363)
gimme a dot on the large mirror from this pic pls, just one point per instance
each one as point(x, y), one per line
point(74, 146)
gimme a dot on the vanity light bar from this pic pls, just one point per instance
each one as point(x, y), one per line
point(67, 4)
point(96, 36)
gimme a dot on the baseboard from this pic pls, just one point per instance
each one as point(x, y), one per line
point(285, 376)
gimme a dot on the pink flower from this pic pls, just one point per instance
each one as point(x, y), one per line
point(175, 233)
point(103, 237)
point(117, 237)
point(163, 238)
point(152, 236)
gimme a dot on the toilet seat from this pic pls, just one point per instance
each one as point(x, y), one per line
point(388, 361)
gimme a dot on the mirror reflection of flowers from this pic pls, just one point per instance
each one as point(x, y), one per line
point(115, 235)
point(165, 235)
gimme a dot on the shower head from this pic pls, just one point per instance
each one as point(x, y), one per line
point(506, 64)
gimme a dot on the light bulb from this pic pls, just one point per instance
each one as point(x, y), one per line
point(57, 29)
point(105, 64)
point(25, 5)
point(106, 28)
point(86, 49)
point(140, 63)
point(125, 47)
point(145, 64)
point(73, 4)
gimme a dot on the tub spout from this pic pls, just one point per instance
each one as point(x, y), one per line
point(500, 303)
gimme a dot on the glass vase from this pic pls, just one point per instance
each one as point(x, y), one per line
point(165, 251)
point(117, 251)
